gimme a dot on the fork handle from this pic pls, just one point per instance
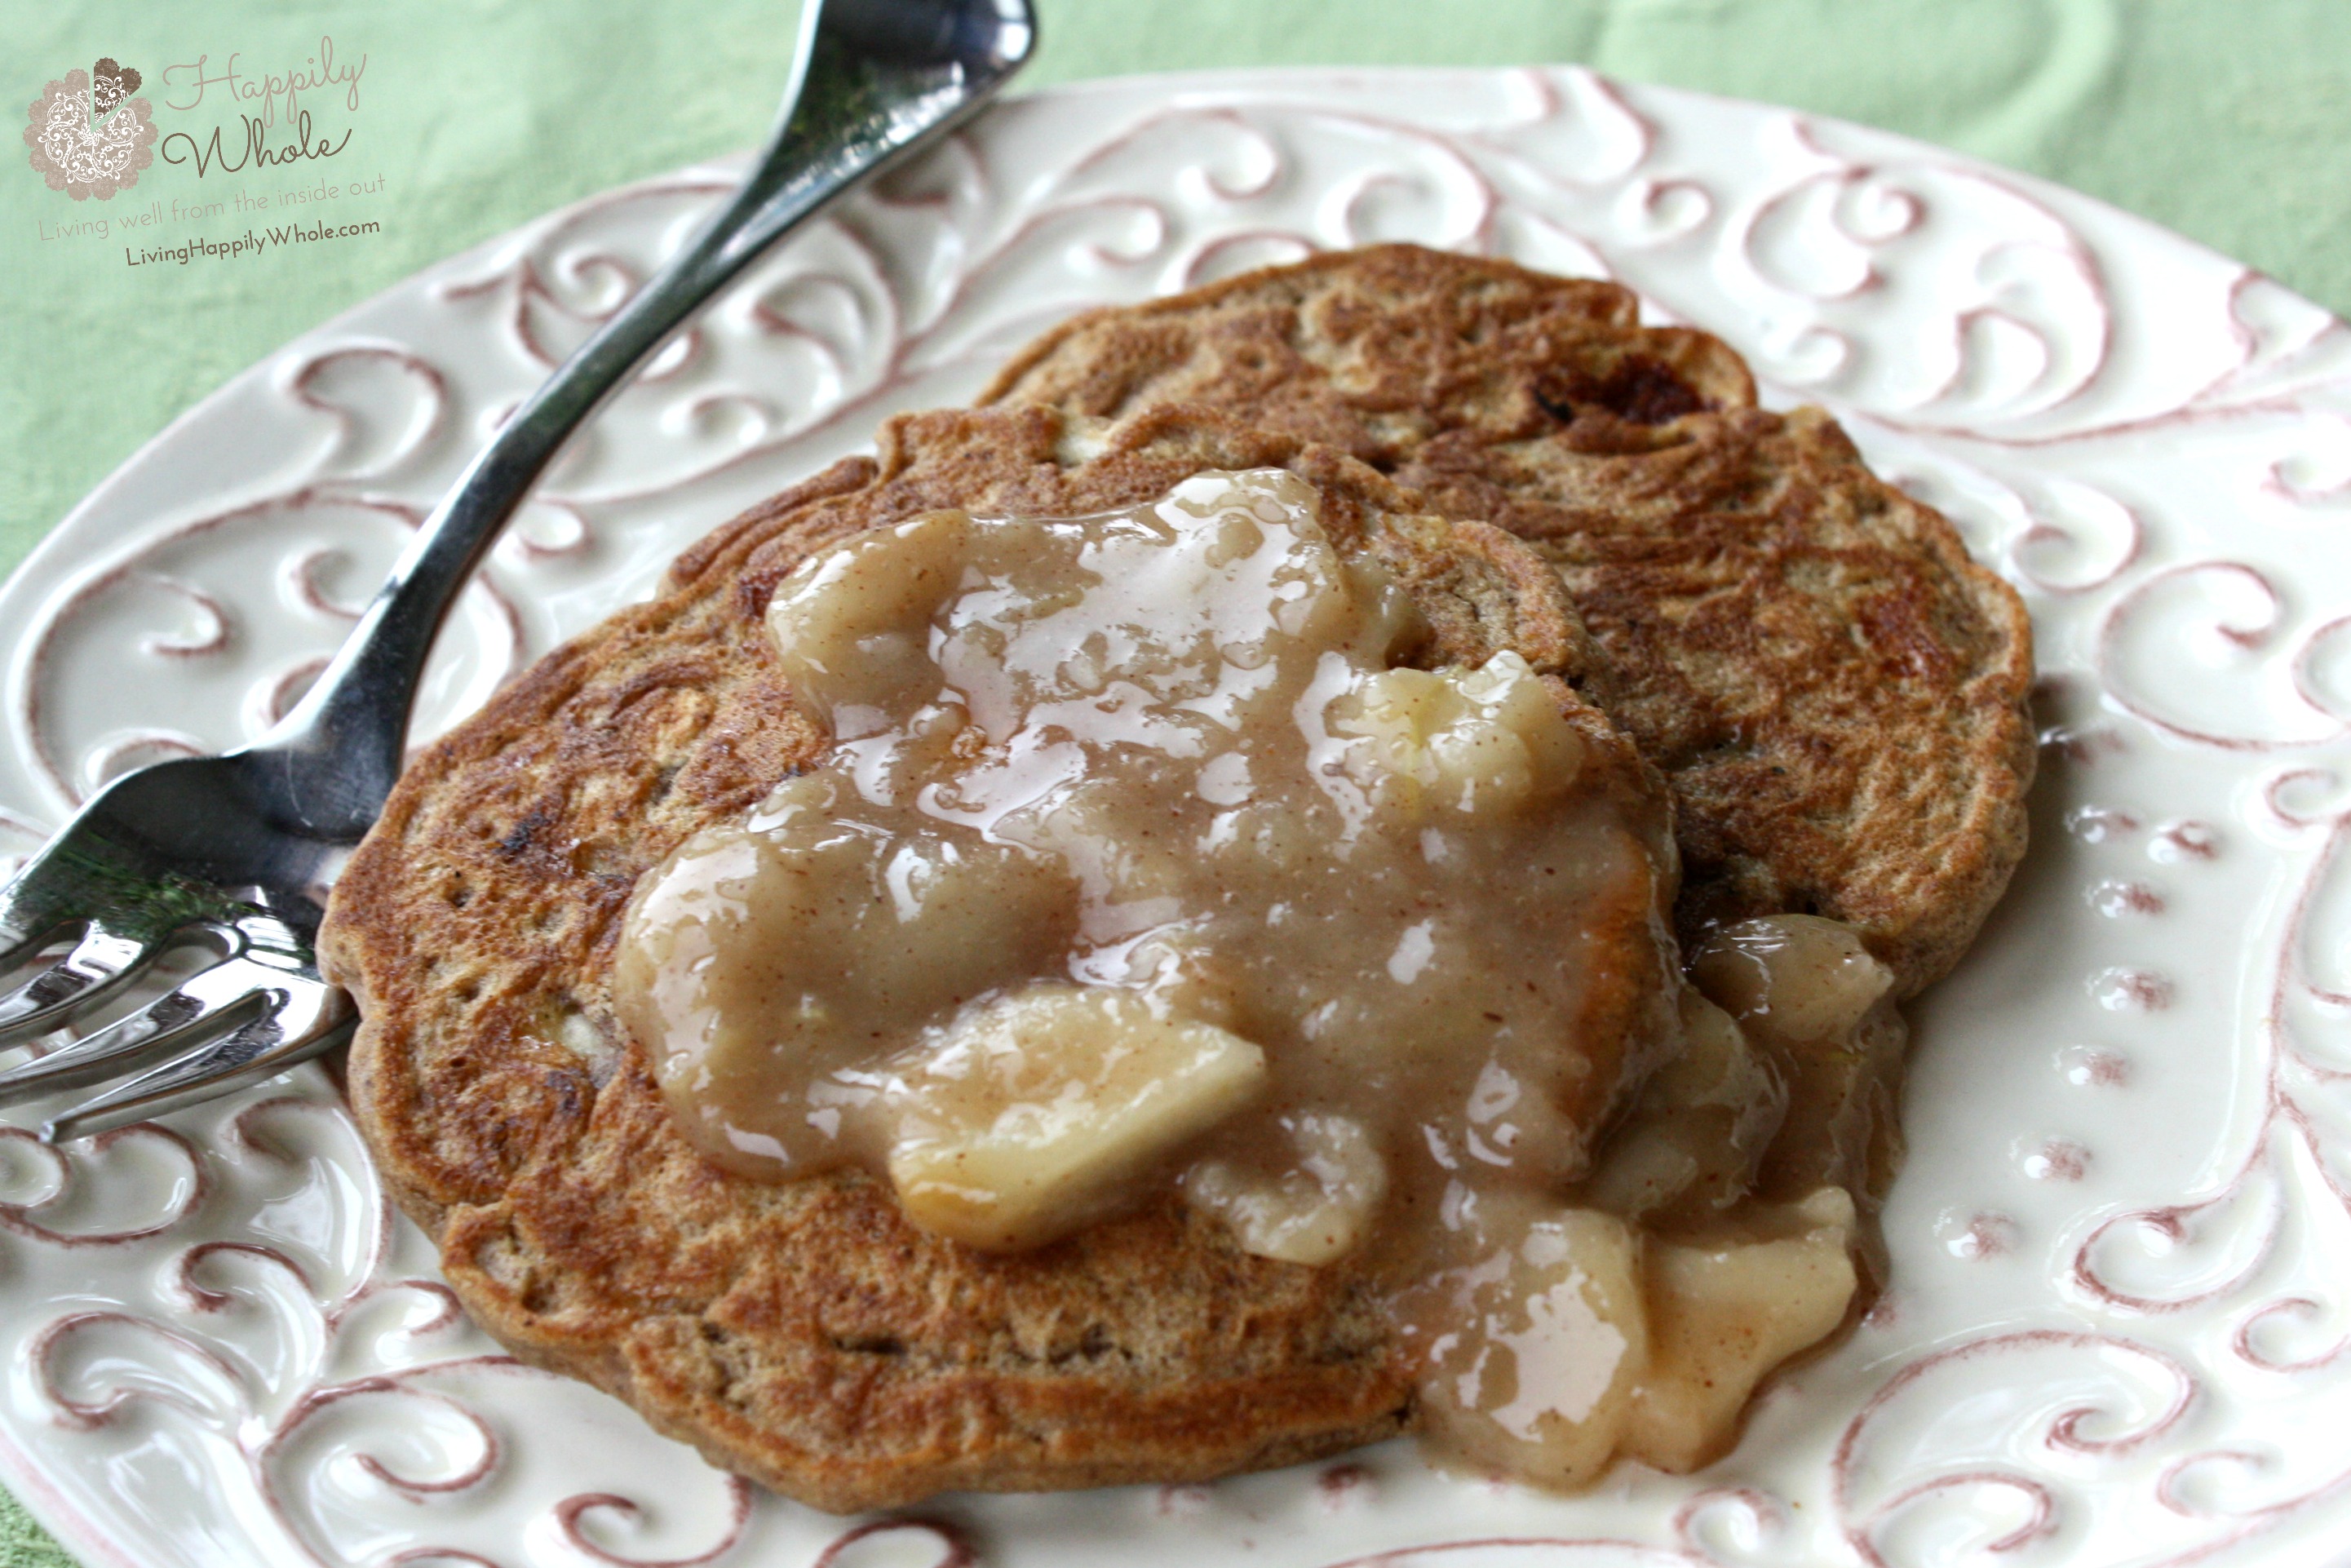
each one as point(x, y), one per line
point(844, 118)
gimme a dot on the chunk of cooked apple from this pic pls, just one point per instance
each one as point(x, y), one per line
point(1035, 1111)
point(1542, 1388)
point(1318, 1211)
point(1723, 1311)
point(1691, 1146)
point(1477, 741)
point(1807, 992)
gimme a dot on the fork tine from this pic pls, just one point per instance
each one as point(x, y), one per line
point(307, 1019)
point(225, 997)
point(101, 963)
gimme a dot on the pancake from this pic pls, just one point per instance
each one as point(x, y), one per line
point(804, 1334)
point(1835, 692)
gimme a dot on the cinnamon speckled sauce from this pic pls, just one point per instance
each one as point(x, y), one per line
point(1139, 859)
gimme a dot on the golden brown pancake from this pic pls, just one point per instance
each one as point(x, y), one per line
point(805, 1333)
point(1834, 690)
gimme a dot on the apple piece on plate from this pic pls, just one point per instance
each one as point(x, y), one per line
point(1542, 1340)
point(1722, 1313)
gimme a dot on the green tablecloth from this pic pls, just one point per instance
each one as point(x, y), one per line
point(2226, 119)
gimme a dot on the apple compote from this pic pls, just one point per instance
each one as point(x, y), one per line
point(1142, 861)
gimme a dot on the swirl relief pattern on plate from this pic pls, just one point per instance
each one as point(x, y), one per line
point(2117, 1327)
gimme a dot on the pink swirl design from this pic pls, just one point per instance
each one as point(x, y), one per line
point(302, 384)
point(572, 537)
point(1160, 122)
point(18, 1217)
point(571, 1511)
point(2277, 482)
point(1846, 184)
point(581, 273)
point(281, 689)
point(263, 1448)
point(1251, 247)
point(90, 1414)
point(249, 1134)
point(955, 1550)
point(2247, 1525)
point(1862, 1524)
point(835, 355)
point(1610, 113)
point(2305, 678)
point(2253, 633)
point(301, 574)
point(1447, 152)
point(203, 1298)
point(415, 1489)
point(277, 696)
point(2039, 1523)
point(2043, 534)
point(2286, 1119)
point(2170, 1224)
point(213, 625)
point(266, 1426)
point(2324, 331)
point(2242, 1342)
point(2234, 396)
point(1867, 212)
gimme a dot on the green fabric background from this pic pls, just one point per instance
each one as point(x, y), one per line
point(2226, 119)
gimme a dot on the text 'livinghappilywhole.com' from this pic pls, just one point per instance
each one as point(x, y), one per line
point(252, 243)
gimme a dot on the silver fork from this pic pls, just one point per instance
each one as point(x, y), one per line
point(237, 852)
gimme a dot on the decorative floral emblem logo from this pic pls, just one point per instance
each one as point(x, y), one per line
point(90, 137)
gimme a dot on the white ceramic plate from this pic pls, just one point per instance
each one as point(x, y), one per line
point(2118, 1320)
